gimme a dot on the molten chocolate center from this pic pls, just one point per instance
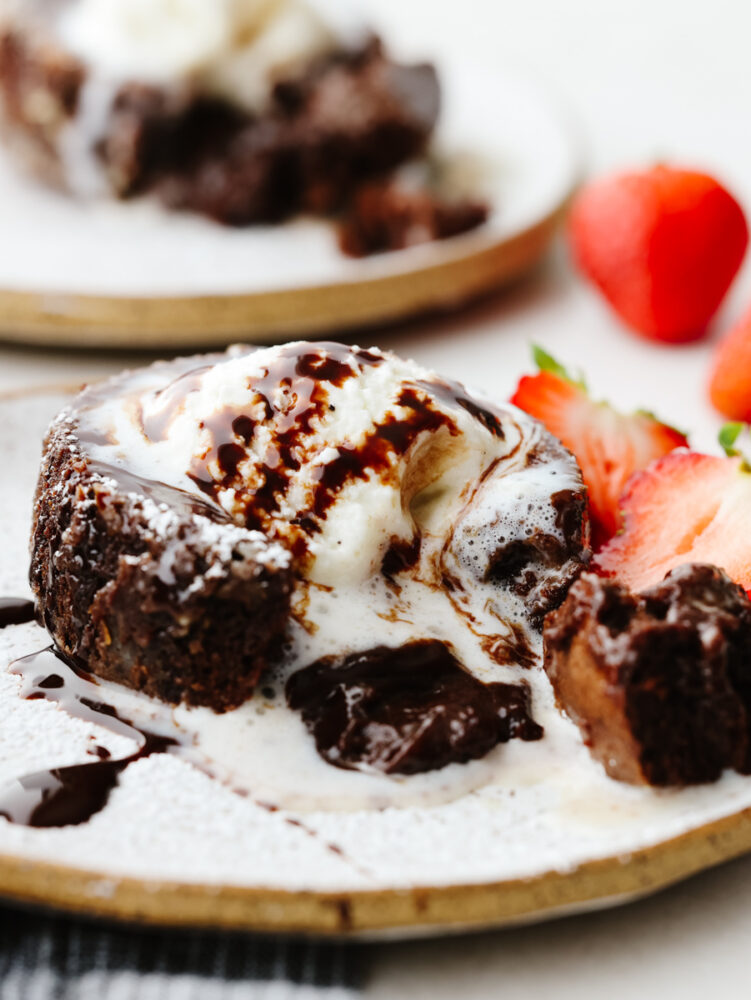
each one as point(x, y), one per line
point(408, 709)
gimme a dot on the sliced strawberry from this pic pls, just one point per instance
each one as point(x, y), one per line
point(609, 446)
point(684, 508)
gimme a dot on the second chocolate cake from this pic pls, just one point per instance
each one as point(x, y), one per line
point(245, 112)
point(658, 682)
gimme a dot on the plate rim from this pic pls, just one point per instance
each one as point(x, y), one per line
point(393, 913)
point(182, 322)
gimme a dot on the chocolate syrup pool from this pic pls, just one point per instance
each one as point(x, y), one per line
point(69, 795)
point(15, 611)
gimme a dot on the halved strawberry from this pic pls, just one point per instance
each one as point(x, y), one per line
point(684, 508)
point(609, 446)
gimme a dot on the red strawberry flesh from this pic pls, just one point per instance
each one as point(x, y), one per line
point(662, 245)
point(684, 508)
point(609, 446)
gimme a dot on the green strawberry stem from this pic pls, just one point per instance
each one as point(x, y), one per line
point(547, 363)
point(728, 438)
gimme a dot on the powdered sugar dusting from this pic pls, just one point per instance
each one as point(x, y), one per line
point(166, 820)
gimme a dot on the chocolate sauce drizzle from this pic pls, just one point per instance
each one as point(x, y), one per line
point(71, 795)
point(400, 556)
point(290, 393)
point(16, 611)
point(455, 394)
point(64, 796)
point(160, 493)
point(407, 709)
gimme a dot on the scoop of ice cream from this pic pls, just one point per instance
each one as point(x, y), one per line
point(291, 36)
point(358, 461)
point(151, 39)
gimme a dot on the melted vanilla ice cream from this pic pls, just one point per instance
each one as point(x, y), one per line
point(236, 48)
point(343, 453)
point(395, 491)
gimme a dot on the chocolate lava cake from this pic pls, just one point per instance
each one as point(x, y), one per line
point(658, 682)
point(322, 132)
point(187, 515)
point(151, 587)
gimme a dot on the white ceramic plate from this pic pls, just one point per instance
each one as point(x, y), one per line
point(133, 273)
point(174, 846)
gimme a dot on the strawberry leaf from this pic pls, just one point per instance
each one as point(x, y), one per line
point(547, 363)
point(727, 437)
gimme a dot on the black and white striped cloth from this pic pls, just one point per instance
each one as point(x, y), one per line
point(51, 957)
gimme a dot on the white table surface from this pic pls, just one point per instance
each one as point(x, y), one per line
point(647, 79)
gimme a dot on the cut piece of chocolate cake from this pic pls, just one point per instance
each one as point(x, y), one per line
point(658, 682)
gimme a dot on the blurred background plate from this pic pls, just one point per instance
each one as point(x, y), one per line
point(131, 274)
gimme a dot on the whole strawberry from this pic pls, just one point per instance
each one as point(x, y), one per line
point(662, 245)
point(730, 380)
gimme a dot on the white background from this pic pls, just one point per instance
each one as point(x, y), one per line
point(647, 80)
